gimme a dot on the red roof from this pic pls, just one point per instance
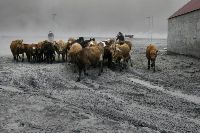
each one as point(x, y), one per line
point(191, 6)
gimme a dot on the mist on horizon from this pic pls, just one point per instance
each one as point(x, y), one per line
point(86, 17)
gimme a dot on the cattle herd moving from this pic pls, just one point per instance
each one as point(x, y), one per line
point(81, 53)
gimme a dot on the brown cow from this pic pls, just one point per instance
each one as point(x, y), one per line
point(121, 54)
point(40, 51)
point(69, 43)
point(60, 48)
point(17, 48)
point(33, 52)
point(151, 54)
point(107, 51)
point(73, 52)
point(26, 47)
point(90, 56)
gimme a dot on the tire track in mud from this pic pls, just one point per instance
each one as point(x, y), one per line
point(178, 94)
point(119, 116)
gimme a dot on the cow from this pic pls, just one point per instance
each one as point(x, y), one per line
point(33, 52)
point(27, 47)
point(40, 51)
point(121, 54)
point(17, 48)
point(107, 51)
point(49, 51)
point(84, 43)
point(60, 48)
point(73, 53)
point(151, 54)
point(69, 43)
point(90, 56)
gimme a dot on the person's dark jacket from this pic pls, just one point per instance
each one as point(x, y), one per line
point(120, 37)
point(50, 35)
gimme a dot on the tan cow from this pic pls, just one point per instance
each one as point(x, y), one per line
point(151, 54)
point(91, 55)
point(121, 54)
point(60, 48)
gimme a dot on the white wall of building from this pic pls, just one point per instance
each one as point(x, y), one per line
point(184, 34)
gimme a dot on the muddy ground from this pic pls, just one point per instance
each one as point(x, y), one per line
point(38, 98)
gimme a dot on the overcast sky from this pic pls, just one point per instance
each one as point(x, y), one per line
point(86, 17)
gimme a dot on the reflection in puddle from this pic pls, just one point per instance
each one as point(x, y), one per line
point(178, 94)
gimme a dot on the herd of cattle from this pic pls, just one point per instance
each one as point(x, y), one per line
point(82, 53)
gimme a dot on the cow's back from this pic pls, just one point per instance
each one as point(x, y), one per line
point(150, 48)
point(125, 49)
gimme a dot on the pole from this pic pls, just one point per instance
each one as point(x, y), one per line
point(149, 32)
point(54, 22)
point(152, 30)
point(151, 25)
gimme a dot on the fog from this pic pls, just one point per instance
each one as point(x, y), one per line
point(86, 17)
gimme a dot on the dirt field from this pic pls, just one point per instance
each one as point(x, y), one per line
point(44, 98)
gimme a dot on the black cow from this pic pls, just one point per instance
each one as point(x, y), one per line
point(49, 51)
point(84, 43)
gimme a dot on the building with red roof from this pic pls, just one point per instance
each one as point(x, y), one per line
point(184, 30)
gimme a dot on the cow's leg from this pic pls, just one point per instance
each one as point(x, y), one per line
point(30, 58)
point(126, 63)
point(74, 68)
point(58, 57)
point(121, 62)
point(41, 58)
point(63, 57)
point(52, 58)
point(17, 56)
point(130, 60)
point(14, 57)
point(37, 58)
point(47, 58)
point(27, 56)
point(84, 69)
point(154, 67)
point(152, 63)
point(23, 57)
point(109, 61)
point(148, 63)
point(34, 59)
point(100, 68)
point(79, 77)
point(66, 56)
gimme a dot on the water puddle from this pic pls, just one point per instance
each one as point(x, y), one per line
point(179, 94)
point(8, 88)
